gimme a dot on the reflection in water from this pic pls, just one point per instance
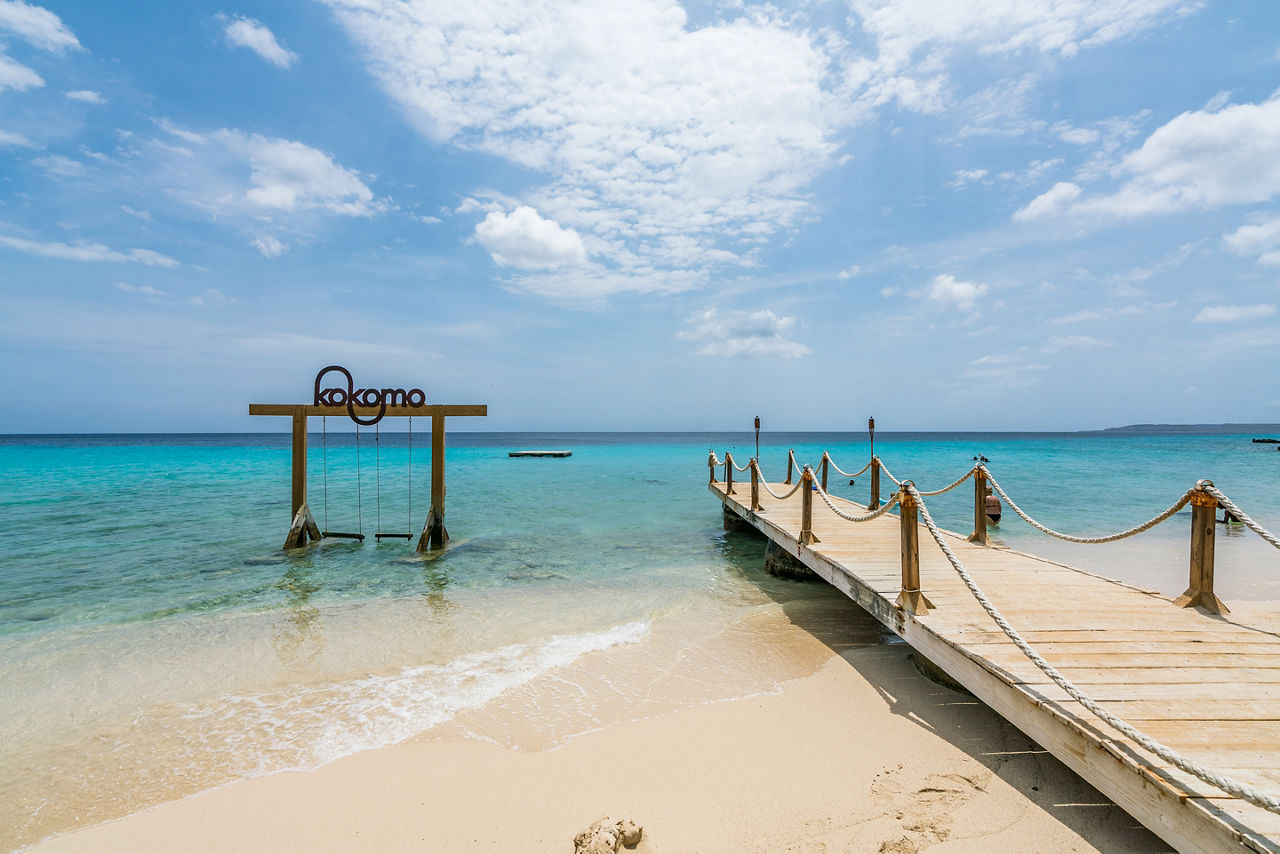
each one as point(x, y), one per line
point(298, 636)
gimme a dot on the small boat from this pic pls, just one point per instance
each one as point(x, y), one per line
point(993, 508)
point(540, 454)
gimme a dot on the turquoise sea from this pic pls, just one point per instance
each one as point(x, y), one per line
point(155, 641)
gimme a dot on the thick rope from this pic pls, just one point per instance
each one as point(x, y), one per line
point(886, 472)
point(970, 473)
point(1230, 506)
point(844, 473)
point(737, 467)
point(874, 514)
point(1226, 784)
point(714, 460)
point(765, 485)
point(1110, 538)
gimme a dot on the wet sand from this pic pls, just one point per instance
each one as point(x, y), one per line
point(862, 754)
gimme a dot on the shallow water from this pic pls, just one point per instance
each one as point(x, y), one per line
point(155, 641)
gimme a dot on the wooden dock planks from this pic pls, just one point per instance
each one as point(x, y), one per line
point(1207, 686)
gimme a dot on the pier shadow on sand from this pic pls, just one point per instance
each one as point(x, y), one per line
point(887, 664)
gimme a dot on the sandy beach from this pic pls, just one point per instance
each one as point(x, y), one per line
point(862, 754)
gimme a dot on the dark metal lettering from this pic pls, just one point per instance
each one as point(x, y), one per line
point(352, 397)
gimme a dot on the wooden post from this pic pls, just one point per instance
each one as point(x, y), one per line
point(711, 464)
point(806, 507)
point(434, 534)
point(875, 484)
point(791, 463)
point(911, 599)
point(755, 484)
point(825, 458)
point(728, 473)
point(980, 490)
point(1203, 534)
point(299, 460)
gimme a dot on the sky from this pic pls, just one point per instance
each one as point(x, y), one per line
point(948, 214)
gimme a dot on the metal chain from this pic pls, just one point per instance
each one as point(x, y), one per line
point(1226, 784)
point(844, 473)
point(1230, 507)
point(874, 514)
point(1110, 538)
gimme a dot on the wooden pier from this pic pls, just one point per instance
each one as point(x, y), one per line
point(1206, 685)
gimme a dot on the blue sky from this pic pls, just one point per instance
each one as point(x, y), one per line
point(975, 214)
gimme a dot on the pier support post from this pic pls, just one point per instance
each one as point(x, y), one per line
point(711, 465)
point(875, 484)
point(912, 598)
point(806, 508)
point(791, 463)
point(303, 525)
point(980, 490)
point(755, 484)
point(1203, 534)
point(728, 473)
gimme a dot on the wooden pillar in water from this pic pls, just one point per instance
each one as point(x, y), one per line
point(1203, 535)
point(434, 534)
point(911, 598)
point(303, 525)
point(980, 490)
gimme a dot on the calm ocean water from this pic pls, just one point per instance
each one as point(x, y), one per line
point(155, 640)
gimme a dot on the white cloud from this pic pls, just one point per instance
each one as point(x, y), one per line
point(849, 272)
point(36, 26)
point(525, 239)
point(145, 216)
point(1051, 202)
point(284, 176)
point(15, 75)
point(1003, 372)
point(144, 290)
point(743, 333)
point(1075, 135)
point(1260, 238)
point(246, 32)
point(11, 138)
point(86, 252)
point(268, 246)
point(946, 289)
point(86, 96)
point(1074, 342)
point(1233, 313)
point(670, 151)
point(1218, 101)
point(213, 296)
point(968, 176)
point(1196, 160)
point(60, 167)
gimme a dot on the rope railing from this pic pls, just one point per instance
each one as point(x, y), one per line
point(1109, 538)
point(1168, 754)
point(880, 463)
point(970, 473)
point(1230, 507)
point(844, 473)
point(874, 514)
point(765, 485)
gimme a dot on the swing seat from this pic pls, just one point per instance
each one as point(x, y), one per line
point(343, 536)
point(380, 535)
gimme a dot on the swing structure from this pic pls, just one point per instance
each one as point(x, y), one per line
point(366, 407)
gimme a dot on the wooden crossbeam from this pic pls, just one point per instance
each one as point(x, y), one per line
point(368, 411)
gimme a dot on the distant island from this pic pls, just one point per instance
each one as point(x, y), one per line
point(1192, 429)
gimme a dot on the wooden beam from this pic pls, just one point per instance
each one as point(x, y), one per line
point(434, 535)
point(368, 411)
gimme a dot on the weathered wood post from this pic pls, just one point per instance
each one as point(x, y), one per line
point(911, 599)
point(875, 484)
point(755, 483)
point(711, 464)
point(825, 459)
point(806, 507)
point(791, 463)
point(1203, 534)
point(980, 490)
point(728, 473)
point(434, 535)
point(299, 459)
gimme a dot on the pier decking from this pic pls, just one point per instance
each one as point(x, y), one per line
point(1206, 685)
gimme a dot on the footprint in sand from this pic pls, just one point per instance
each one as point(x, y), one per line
point(923, 810)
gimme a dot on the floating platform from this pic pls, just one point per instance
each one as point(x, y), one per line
point(540, 454)
point(1206, 685)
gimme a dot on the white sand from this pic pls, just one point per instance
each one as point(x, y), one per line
point(864, 755)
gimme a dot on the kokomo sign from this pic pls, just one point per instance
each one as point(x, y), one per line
point(351, 397)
